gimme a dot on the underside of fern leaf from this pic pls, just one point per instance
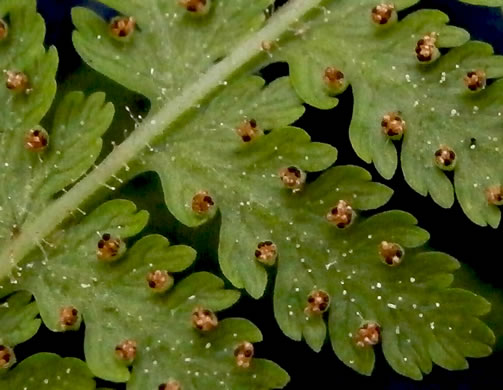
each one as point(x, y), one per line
point(441, 108)
point(83, 271)
point(50, 371)
point(231, 149)
point(129, 317)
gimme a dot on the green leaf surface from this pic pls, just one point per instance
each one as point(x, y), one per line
point(117, 304)
point(386, 77)
point(33, 175)
point(421, 318)
point(18, 321)
point(75, 144)
point(162, 23)
point(49, 371)
point(65, 275)
point(20, 112)
point(32, 178)
point(241, 178)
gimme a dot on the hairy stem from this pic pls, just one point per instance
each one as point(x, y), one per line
point(34, 231)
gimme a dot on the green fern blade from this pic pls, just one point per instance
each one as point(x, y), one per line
point(22, 111)
point(35, 230)
point(36, 177)
point(33, 174)
point(18, 322)
point(312, 253)
point(160, 23)
point(65, 273)
point(203, 151)
point(432, 99)
point(188, 165)
point(117, 304)
point(51, 371)
point(281, 108)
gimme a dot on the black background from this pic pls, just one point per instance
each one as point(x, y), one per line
point(450, 230)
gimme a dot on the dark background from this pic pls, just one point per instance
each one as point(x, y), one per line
point(451, 231)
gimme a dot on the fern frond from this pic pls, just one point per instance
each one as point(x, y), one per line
point(250, 167)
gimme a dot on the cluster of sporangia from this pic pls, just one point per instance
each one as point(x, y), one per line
point(341, 215)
